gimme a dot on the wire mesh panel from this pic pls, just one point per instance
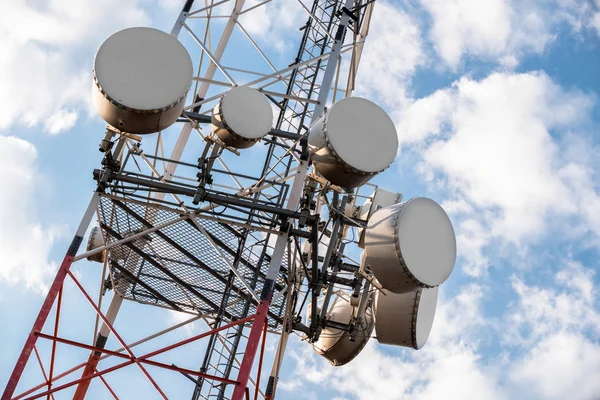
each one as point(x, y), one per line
point(177, 266)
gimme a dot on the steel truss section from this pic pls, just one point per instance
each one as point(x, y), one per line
point(120, 251)
point(177, 267)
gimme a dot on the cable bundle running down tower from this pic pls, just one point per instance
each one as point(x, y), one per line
point(298, 243)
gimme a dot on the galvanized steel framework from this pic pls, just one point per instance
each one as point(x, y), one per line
point(224, 246)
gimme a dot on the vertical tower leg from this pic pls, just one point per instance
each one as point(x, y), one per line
point(50, 298)
point(258, 326)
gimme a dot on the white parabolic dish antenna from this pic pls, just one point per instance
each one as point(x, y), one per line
point(95, 241)
point(352, 142)
point(335, 344)
point(410, 245)
point(405, 319)
point(141, 79)
point(242, 117)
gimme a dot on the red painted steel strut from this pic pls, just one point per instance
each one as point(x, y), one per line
point(130, 359)
point(37, 355)
point(89, 369)
point(50, 298)
point(117, 336)
point(56, 321)
point(57, 377)
point(260, 361)
point(258, 325)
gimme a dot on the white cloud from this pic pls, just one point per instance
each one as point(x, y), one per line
point(595, 22)
point(471, 239)
point(570, 306)
point(24, 243)
point(456, 373)
point(580, 179)
point(393, 53)
point(579, 279)
point(171, 5)
point(503, 30)
point(580, 14)
point(61, 121)
point(469, 27)
point(506, 146)
point(556, 323)
point(502, 153)
point(560, 366)
point(425, 117)
point(45, 65)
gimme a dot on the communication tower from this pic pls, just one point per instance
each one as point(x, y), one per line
point(299, 242)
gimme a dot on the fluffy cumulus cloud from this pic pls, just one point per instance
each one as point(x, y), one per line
point(570, 306)
point(551, 327)
point(506, 149)
point(557, 325)
point(559, 367)
point(393, 54)
point(581, 15)
point(45, 73)
point(464, 26)
point(24, 243)
point(503, 30)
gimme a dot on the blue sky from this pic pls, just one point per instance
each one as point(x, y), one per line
point(496, 107)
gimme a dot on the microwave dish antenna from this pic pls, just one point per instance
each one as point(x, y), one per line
point(141, 79)
point(410, 245)
point(405, 319)
point(242, 117)
point(352, 142)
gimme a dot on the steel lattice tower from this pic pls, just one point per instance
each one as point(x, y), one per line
point(176, 234)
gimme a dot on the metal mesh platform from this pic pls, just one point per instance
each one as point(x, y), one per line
point(178, 267)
